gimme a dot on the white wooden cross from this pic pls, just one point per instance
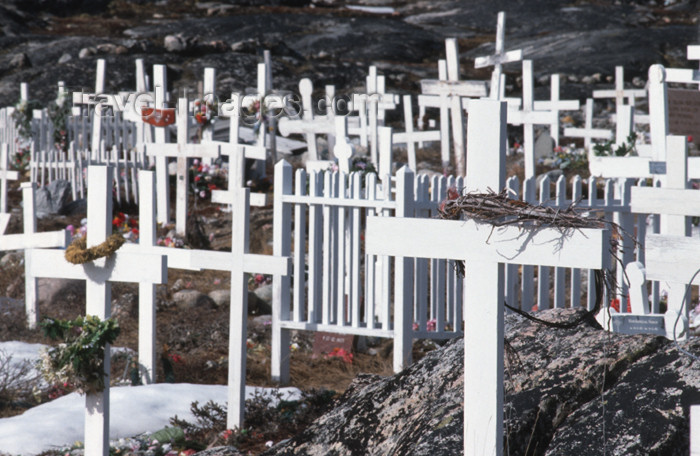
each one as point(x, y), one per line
point(30, 239)
point(236, 176)
point(620, 93)
point(89, 99)
point(98, 275)
point(528, 117)
point(556, 105)
point(588, 133)
point(372, 107)
point(484, 249)
point(5, 175)
point(182, 150)
point(160, 87)
point(499, 57)
point(240, 262)
point(452, 94)
point(670, 257)
point(410, 137)
point(683, 75)
point(209, 95)
point(695, 430)
point(176, 259)
point(308, 124)
point(343, 150)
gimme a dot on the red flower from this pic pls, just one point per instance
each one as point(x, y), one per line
point(212, 186)
point(177, 359)
point(197, 178)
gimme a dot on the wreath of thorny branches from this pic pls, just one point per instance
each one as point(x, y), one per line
point(498, 210)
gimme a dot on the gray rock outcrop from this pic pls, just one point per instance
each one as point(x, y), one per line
point(579, 391)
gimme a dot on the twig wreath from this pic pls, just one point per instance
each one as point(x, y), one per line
point(78, 253)
point(498, 210)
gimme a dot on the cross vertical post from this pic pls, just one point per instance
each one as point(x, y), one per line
point(160, 87)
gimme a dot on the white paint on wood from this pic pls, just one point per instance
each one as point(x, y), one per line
point(528, 117)
point(499, 57)
point(588, 133)
point(694, 411)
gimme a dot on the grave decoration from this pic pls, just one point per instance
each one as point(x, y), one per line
point(500, 236)
point(670, 257)
point(79, 359)
point(98, 275)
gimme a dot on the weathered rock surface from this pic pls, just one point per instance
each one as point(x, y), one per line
point(578, 391)
point(329, 43)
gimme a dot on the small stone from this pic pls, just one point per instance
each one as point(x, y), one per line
point(178, 285)
point(65, 58)
point(174, 43)
point(20, 61)
point(264, 292)
point(87, 52)
point(11, 259)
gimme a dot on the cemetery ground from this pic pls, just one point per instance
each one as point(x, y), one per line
point(192, 336)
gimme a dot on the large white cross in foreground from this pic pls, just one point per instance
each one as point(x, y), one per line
point(484, 249)
point(98, 275)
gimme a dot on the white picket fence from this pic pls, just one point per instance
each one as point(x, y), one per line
point(337, 288)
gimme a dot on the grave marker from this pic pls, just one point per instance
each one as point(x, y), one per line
point(5, 175)
point(499, 57)
point(484, 249)
point(410, 137)
point(325, 342)
point(30, 239)
point(619, 93)
point(528, 117)
point(450, 99)
point(236, 176)
point(308, 125)
point(182, 151)
point(98, 275)
point(671, 256)
point(556, 105)
point(588, 133)
point(684, 113)
point(240, 263)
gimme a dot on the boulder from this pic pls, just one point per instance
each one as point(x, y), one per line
point(221, 297)
point(192, 299)
point(553, 400)
point(52, 197)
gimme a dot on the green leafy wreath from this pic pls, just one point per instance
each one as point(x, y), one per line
point(79, 359)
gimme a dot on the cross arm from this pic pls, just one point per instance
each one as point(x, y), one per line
point(454, 88)
point(120, 267)
point(490, 60)
point(471, 240)
point(183, 150)
point(229, 149)
point(672, 258)
point(320, 125)
point(670, 201)
point(43, 240)
point(221, 261)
